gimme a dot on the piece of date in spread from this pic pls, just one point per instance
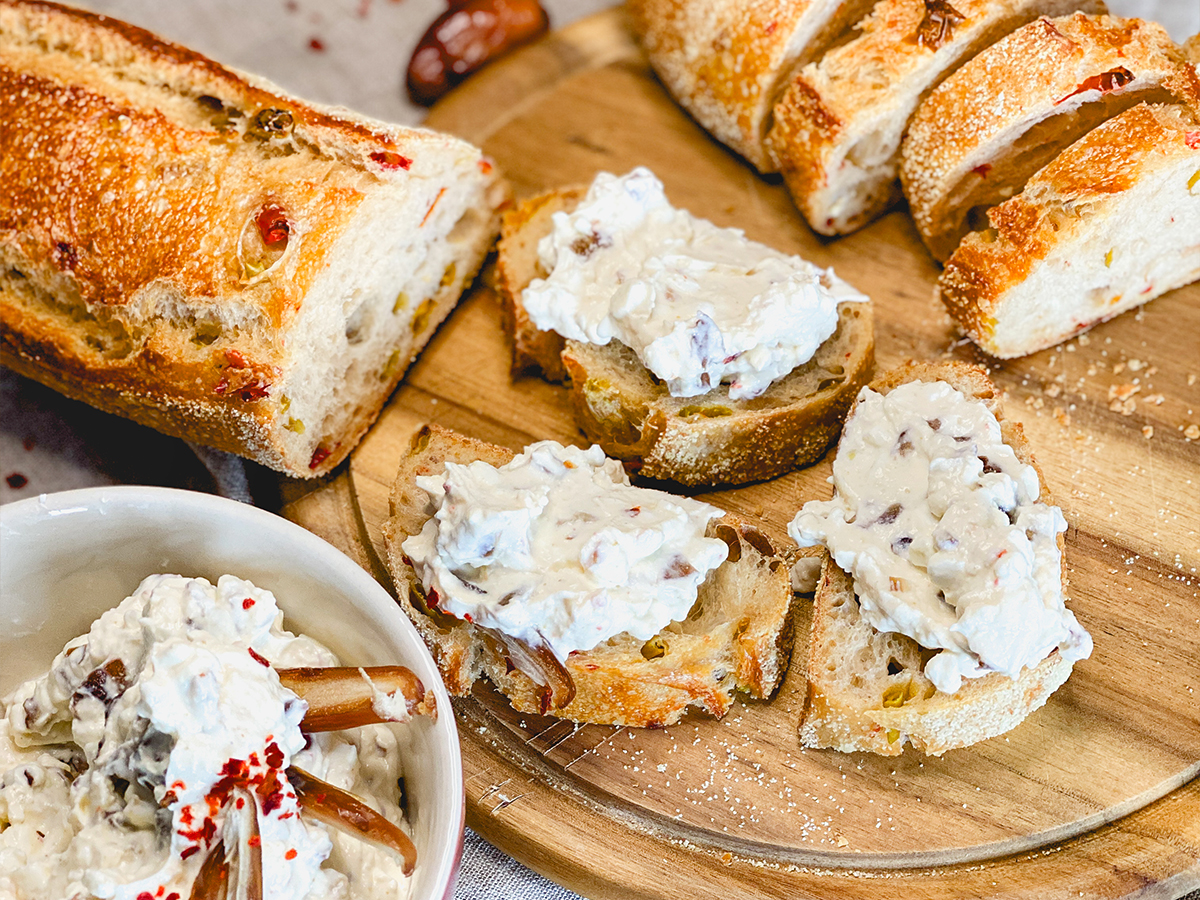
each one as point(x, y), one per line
point(698, 304)
point(120, 765)
point(557, 548)
point(938, 522)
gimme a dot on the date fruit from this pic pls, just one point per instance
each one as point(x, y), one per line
point(465, 37)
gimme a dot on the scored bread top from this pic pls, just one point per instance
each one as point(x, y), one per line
point(726, 60)
point(971, 144)
point(1062, 255)
point(141, 182)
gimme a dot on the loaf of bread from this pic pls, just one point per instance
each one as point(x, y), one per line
point(971, 146)
point(706, 439)
point(726, 61)
point(867, 689)
point(839, 123)
point(1111, 223)
point(195, 249)
point(737, 636)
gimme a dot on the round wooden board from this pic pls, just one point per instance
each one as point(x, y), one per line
point(735, 808)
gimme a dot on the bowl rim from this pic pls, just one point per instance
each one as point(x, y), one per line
point(308, 544)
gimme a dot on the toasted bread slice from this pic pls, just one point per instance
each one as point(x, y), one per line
point(970, 147)
point(867, 689)
point(709, 439)
point(737, 636)
point(839, 124)
point(726, 63)
point(1111, 223)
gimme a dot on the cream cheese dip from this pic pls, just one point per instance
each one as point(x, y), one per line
point(557, 548)
point(698, 304)
point(116, 765)
point(939, 523)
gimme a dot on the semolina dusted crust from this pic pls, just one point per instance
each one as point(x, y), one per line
point(141, 184)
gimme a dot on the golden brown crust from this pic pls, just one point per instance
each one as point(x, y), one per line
point(1059, 221)
point(930, 721)
point(839, 123)
point(708, 439)
point(1006, 113)
point(726, 61)
point(737, 637)
point(132, 270)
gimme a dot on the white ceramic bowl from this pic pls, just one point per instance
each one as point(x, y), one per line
point(65, 558)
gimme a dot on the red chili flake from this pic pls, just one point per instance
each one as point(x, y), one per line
point(316, 44)
point(235, 359)
point(16, 480)
point(634, 510)
point(1105, 82)
point(234, 768)
point(257, 657)
point(390, 159)
point(254, 392)
point(485, 166)
point(185, 815)
point(65, 256)
point(434, 598)
point(255, 840)
point(189, 851)
point(161, 890)
point(173, 896)
point(467, 616)
point(291, 854)
point(1191, 138)
point(240, 803)
point(319, 456)
point(982, 170)
point(247, 603)
point(429, 212)
point(273, 227)
point(254, 760)
point(145, 895)
point(221, 386)
point(273, 755)
point(771, 26)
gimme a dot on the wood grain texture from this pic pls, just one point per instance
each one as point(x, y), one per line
point(1095, 795)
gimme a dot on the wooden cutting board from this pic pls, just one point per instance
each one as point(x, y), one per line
point(735, 808)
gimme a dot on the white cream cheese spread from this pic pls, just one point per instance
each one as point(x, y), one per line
point(698, 304)
point(557, 548)
point(939, 523)
point(118, 763)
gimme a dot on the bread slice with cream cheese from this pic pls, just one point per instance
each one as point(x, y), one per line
point(707, 439)
point(737, 636)
point(867, 689)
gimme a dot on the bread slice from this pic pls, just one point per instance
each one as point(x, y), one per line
point(839, 123)
point(195, 249)
point(708, 439)
point(1111, 223)
point(971, 146)
point(738, 636)
point(725, 62)
point(867, 689)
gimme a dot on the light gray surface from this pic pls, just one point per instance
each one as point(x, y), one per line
point(364, 46)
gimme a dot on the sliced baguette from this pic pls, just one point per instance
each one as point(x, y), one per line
point(709, 439)
point(971, 146)
point(839, 124)
point(725, 62)
point(1111, 223)
point(138, 181)
point(738, 636)
point(867, 689)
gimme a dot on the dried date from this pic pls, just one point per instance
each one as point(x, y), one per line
point(465, 37)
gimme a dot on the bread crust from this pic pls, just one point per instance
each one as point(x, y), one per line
point(1070, 250)
point(971, 144)
point(738, 636)
point(839, 123)
point(851, 719)
point(703, 440)
point(725, 61)
point(132, 273)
